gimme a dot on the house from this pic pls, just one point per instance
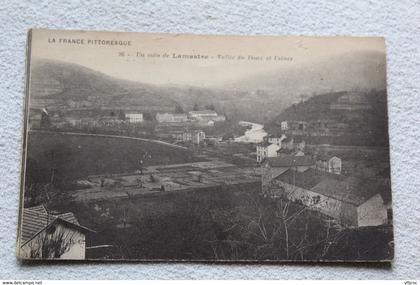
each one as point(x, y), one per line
point(265, 150)
point(187, 136)
point(359, 203)
point(73, 121)
point(351, 101)
point(198, 137)
point(350, 201)
point(288, 143)
point(328, 163)
point(171, 118)
point(284, 125)
point(89, 123)
point(134, 118)
point(206, 117)
point(293, 125)
point(275, 166)
point(290, 152)
point(276, 139)
point(45, 235)
point(201, 114)
point(299, 143)
point(212, 141)
point(195, 137)
point(109, 121)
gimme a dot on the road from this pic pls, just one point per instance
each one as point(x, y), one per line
point(110, 136)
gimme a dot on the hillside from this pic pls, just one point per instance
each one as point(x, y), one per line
point(66, 86)
point(260, 99)
point(356, 127)
point(58, 84)
point(363, 70)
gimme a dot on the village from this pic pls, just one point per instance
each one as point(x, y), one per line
point(349, 184)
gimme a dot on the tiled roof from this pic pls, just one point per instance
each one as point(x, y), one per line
point(290, 161)
point(325, 156)
point(69, 217)
point(351, 190)
point(40, 209)
point(203, 112)
point(306, 179)
point(33, 222)
point(285, 151)
point(264, 144)
point(36, 219)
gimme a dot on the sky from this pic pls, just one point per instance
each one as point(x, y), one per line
point(154, 58)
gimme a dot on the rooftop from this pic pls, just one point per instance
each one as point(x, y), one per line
point(203, 112)
point(286, 140)
point(290, 161)
point(325, 156)
point(351, 190)
point(264, 144)
point(306, 179)
point(36, 219)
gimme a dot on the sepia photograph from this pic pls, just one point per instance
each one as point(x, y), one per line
point(206, 148)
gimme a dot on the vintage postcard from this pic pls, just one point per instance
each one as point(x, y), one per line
point(180, 147)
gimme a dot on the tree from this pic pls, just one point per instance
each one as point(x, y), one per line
point(210, 107)
point(53, 243)
point(275, 229)
point(179, 109)
point(45, 119)
point(147, 116)
point(196, 108)
point(152, 178)
point(121, 115)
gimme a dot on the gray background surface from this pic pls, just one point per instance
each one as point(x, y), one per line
point(397, 21)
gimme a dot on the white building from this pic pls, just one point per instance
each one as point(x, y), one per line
point(206, 115)
point(351, 101)
point(171, 118)
point(265, 150)
point(47, 236)
point(284, 126)
point(134, 118)
point(276, 140)
point(349, 201)
point(198, 137)
point(195, 136)
point(329, 163)
point(293, 125)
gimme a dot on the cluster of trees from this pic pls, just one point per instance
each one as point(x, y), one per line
point(228, 224)
point(196, 107)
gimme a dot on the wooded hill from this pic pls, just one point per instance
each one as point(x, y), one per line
point(358, 126)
